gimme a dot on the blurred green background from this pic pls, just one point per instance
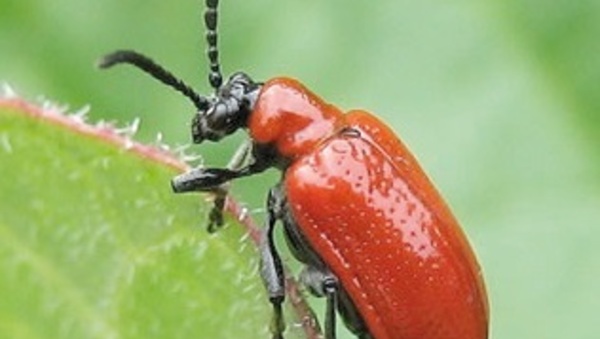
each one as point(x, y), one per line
point(500, 100)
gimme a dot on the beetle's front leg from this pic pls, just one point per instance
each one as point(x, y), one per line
point(202, 179)
point(213, 180)
point(216, 180)
point(239, 159)
point(271, 269)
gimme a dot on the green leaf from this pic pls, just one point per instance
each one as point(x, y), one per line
point(93, 244)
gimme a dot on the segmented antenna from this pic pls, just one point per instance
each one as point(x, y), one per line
point(215, 78)
point(156, 71)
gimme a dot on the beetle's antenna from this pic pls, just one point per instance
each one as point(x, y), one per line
point(156, 71)
point(215, 78)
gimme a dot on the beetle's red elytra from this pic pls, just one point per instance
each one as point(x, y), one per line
point(376, 238)
point(366, 207)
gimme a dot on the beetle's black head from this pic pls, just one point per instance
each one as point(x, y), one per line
point(218, 115)
point(228, 109)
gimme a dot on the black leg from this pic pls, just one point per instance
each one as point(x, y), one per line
point(215, 217)
point(330, 287)
point(203, 179)
point(271, 269)
point(216, 180)
point(322, 283)
point(210, 179)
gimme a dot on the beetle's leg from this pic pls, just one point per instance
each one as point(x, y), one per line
point(330, 287)
point(209, 179)
point(240, 157)
point(215, 180)
point(322, 283)
point(271, 269)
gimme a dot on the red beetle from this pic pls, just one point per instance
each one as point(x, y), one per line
point(377, 239)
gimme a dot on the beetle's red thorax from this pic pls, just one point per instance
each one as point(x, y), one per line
point(291, 117)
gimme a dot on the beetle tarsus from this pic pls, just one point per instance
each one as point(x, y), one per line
point(215, 217)
point(277, 322)
point(321, 282)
